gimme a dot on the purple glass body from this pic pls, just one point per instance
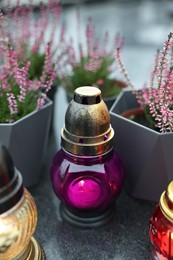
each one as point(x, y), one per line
point(90, 183)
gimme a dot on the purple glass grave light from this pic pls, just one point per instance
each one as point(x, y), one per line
point(87, 174)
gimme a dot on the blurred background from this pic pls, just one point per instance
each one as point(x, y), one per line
point(144, 24)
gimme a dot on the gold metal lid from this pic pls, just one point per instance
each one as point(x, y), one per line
point(34, 251)
point(87, 129)
point(11, 183)
point(166, 202)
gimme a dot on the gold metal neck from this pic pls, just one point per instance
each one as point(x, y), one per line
point(33, 252)
point(166, 202)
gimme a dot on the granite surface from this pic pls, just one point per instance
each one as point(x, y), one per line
point(145, 24)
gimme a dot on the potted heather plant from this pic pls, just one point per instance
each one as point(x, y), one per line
point(145, 141)
point(30, 32)
point(25, 111)
point(89, 63)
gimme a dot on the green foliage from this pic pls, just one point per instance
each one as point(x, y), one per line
point(81, 76)
point(37, 64)
point(150, 120)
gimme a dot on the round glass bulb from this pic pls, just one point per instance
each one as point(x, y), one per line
point(161, 236)
point(16, 228)
point(87, 182)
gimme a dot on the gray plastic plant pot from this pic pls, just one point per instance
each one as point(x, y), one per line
point(26, 140)
point(147, 155)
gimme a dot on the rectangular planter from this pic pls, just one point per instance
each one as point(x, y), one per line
point(26, 140)
point(147, 154)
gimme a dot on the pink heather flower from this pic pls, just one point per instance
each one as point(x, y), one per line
point(22, 95)
point(110, 68)
point(48, 75)
point(12, 103)
point(35, 48)
point(4, 85)
point(21, 76)
point(50, 80)
point(35, 84)
point(168, 44)
point(93, 64)
point(41, 101)
point(157, 95)
point(89, 35)
point(48, 59)
point(100, 82)
point(47, 80)
point(164, 120)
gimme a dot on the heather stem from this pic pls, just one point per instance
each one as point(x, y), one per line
point(122, 68)
point(163, 58)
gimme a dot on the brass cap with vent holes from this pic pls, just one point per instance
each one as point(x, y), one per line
point(87, 129)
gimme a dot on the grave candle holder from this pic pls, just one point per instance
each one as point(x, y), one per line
point(87, 174)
